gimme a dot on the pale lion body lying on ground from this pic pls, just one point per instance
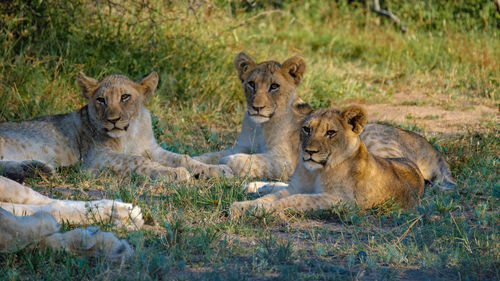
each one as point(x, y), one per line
point(41, 228)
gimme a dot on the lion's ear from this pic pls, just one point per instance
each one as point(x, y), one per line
point(149, 84)
point(295, 67)
point(87, 84)
point(356, 117)
point(300, 107)
point(243, 64)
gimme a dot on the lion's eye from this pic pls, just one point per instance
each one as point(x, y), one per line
point(101, 100)
point(274, 87)
point(125, 97)
point(306, 130)
point(331, 133)
point(251, 84)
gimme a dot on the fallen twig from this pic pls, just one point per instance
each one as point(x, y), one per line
point(408, 229)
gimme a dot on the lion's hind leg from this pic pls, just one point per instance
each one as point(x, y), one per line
point(22, 200)
point(263, 188)
point(437, 172)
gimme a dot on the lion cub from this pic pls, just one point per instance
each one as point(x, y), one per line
point(334, 165)
point(112, 130)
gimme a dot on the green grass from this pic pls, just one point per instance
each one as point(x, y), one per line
point(451, 48)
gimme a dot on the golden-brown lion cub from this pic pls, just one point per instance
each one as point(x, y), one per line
point(334, 165)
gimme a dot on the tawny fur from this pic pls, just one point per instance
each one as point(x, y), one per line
point(268, 135)
point(335, 166)
point(267, 147)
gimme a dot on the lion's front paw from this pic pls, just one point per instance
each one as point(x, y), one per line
point(119, 213)
point(128, 215)
point(91, 241)
point(212, 171)
point(19, 170)
point(238, 209)
point(225, 170)
point(181, 174)
point(241, 164)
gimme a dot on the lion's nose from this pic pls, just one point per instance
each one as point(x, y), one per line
point(257, 108)
point(114, 120)
point(311, 151)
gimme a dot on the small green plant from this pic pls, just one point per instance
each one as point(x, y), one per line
point(272, 253)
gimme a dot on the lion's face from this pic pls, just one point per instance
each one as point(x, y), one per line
point(329, 136)
point(269, 86)
point(115, 100)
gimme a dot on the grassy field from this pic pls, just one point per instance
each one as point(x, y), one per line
point(449, 60)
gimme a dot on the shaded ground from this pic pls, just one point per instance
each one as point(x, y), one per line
point(440, 114)
point(435, 119)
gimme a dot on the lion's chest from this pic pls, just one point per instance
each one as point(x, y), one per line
point(138, 140)
point(336, 183)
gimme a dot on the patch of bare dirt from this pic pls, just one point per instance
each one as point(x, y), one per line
point(447, 115)
point(435, 119)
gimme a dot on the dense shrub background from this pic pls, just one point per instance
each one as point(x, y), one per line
point(44, 43)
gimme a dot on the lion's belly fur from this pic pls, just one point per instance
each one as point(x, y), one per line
point(50, 141)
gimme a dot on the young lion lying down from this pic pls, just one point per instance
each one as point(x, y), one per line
point(113, 130)
point(335, 165)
